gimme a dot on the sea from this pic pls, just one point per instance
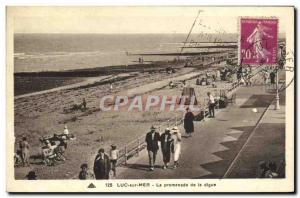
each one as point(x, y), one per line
point(57, 52)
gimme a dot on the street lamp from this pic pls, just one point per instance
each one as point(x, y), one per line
point(277, 106)
point(279, 65)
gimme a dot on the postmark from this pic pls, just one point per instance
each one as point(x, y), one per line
point(258, 41)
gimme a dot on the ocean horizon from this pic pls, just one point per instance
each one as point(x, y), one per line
point(57, 52)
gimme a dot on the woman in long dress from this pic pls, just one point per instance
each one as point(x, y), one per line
point(176, 145)
point(189, 122)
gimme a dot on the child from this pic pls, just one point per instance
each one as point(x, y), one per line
point(114, 154)
point(85, 173)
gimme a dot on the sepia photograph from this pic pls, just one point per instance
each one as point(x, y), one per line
point(150, 99)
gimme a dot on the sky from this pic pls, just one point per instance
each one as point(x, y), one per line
point(120, 20)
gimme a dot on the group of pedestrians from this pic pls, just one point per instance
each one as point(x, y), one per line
point(243, 75)
point(104, 164)
point(269, 78)
point(170, 142)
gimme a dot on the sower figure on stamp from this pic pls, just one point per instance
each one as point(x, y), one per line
point(257, 38)
point(101, 165)
point(189, 122)
point(165, 142)
point(152, 139)
point(24, 147)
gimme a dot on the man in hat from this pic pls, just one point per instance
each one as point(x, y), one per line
point(101, 165)
point(152, 139)
point(165, 142)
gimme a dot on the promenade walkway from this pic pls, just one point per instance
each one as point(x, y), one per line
point(215, 143)
point(267, 143)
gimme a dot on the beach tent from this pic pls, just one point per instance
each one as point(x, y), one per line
point(189, 92)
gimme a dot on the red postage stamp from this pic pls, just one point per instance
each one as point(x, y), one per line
point(258, 41)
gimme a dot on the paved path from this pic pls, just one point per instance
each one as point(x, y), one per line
point(215, 143)
point(267, 143)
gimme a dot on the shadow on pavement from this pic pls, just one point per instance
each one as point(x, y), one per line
point(144, 167)
point(219, 168)
point(267, 144)
point(257, 101)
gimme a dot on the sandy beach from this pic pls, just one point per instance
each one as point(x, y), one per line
point(42, 113)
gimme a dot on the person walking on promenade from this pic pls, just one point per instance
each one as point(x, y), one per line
point(249, 70)
point(101, 165)
point(176, 145)
point(239, 73)
point(24, 147)
point(189, 122)
point(152, 139)
point(265, 77)
point(165, 142)
point(272, 79)
point(114, 154)
point(211, 105)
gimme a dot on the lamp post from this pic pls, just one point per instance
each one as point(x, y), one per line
point(280, 65)
point(277, 106)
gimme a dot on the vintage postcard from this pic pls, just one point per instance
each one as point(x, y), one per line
point(150, 99)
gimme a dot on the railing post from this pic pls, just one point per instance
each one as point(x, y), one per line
point(125, 155)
